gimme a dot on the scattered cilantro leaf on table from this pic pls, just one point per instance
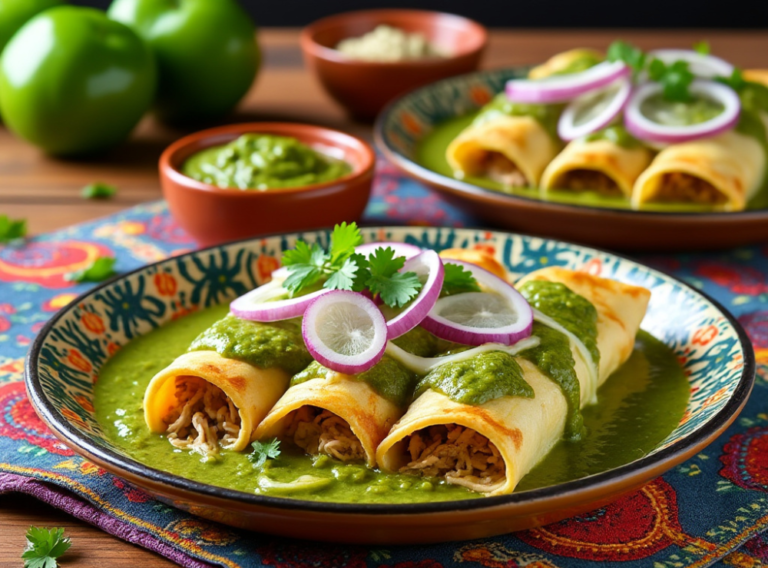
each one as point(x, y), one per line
point(262, 451)
point(101, 269)
point(98, 190)
point(44, 546)
point(457, 280)
point(12, 229)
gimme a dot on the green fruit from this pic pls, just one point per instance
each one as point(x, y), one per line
point(72, 81)
point(15, 13)
point(206, 53)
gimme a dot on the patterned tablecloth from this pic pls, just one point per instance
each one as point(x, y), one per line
point(710, 510)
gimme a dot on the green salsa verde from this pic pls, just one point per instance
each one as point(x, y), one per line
point(278, 344)
point(546, 115)
point(261, 162)
point(475, 381)
point(639, 406)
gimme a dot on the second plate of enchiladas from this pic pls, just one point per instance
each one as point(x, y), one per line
point(393, 384)
point(597, 146)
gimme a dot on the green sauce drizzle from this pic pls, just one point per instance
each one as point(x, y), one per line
point(277, 344)
point(387, 378)
point(476, 381)
point(575, 313)
point(546, 115)
point(617, 134)
point(553, 357)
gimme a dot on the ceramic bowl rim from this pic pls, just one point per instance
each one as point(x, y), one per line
point(470, 191)
point(119, 463)
point(167, 169)
point(312, 47)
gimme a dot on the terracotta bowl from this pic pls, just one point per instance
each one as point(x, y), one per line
point(213, 215)
point(720, 371)
point(364, 87)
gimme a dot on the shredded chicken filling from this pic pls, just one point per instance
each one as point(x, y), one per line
point(459, 454)
point(682, 187)
point(318, 431)
point(589, 180)
point(501, 169)
point(204, 419)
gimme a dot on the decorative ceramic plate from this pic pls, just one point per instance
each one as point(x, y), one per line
point(406, 133)
point(68, 354)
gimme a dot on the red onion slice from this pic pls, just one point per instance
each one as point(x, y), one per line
point(640, 126)
point(345, 331)
point(401, 249)
point(562, 88)
point(594, 111)
point(260, 304)
point(497, 315)
point(700, 64)
point(429, 268)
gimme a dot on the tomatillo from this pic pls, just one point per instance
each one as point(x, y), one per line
point(15, 13)
point(73, 82)
point(206, 53)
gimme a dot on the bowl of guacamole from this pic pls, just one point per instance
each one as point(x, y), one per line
point(243, 180)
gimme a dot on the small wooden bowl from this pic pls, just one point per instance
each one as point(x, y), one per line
point(213, 215)
point(364, 87)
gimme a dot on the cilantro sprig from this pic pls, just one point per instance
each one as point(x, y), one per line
point(101, 269)
point(457, 280)
point(341, 268)
point(12, 229)
point(44, 547)
point(675, 77)
point(263, 451)
point(98, 190)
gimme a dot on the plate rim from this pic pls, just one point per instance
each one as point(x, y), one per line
point(675, 452)
point(465, 189)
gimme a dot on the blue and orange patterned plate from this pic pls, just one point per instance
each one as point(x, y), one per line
point(404, 125)
point(67, 355)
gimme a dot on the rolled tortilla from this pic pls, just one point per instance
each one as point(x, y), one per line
point(724, 171)
point(215, 395)
point(599, 165)
point(335, 415)
point(511, 150)
point(346, 416)
point(571, 61)
point(233, 397)
point(490, 447)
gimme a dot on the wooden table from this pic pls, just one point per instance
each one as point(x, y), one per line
point(47, 193)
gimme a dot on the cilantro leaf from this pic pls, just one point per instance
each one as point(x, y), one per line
point(98, 190)
point(305, 266)
point(11, 230)
point(343, 278)
point(675, 79)
point(628, 53)
point(457, 280)
point(343, 242)
point(398, 289)
point(363, 273)
point(262, 451)
point(101, 269)
point(736, 81)
point(395, 288)
point(44, 547)
point(702, 47)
